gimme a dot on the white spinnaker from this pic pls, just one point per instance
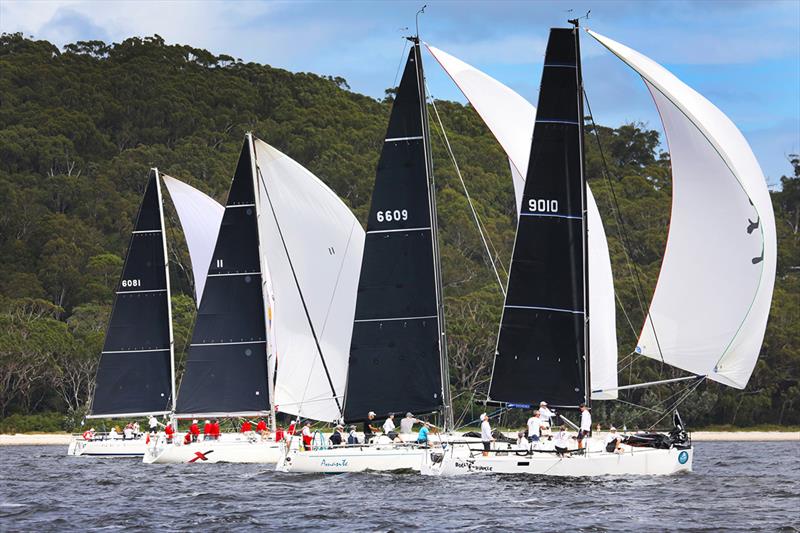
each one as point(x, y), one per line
point(313, 249)
point(200, 217)
point(511, 119)
point(710, 307)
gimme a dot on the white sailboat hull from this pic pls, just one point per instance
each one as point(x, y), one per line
point(634, 461)
point(231, 448)
point(81, 447)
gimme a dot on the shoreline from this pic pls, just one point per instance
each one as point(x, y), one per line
point(63, 439)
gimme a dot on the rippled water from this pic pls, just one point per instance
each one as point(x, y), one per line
point(735, 487)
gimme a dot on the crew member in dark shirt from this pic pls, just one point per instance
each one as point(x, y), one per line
point(336, 436)
point(369, 429)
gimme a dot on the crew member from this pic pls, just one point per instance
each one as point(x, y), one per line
point(152, 422)
point(247, 427)
point(389, 427)
point(422, 438)
point(561, 441)
point(307, 436)
point(169, 431)
point(534, 428)
point(486, 434)
point(207, 431)
point(586, 425)
point(336, 436)
point(187, 439)
point(279, 436)
point(545, 414)
point(352, 438)
point(369, 429)
point(407, 424)
point(215, 432)
point(194, 431)
point(613, 441)
point(261, 429)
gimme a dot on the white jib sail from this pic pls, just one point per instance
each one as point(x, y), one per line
point(200, 217)
point(710, 307)
point(511, 118)
point(313, 247)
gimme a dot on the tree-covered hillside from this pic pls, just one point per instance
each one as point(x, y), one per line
point(80, 127)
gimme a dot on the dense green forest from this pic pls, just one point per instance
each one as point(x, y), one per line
point(80, 127)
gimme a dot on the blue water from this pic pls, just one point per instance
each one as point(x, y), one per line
point(734, 487)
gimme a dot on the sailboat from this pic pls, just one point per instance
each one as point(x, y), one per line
point(704, 320)
point(136, 374)
point(281, 282)
point(398, 357)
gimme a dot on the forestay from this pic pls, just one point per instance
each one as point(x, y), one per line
point(510, 117)
point(226, 367)
point(314, 258)
point(710, 307)
point(134, 376)
point(200, 217)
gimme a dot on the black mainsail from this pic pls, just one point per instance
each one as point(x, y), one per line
point(226, 367)
point(542, 345)
point(397, 359)
point(135, 374)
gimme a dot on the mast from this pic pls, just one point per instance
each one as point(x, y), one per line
point(587, 316)
point(173, 395)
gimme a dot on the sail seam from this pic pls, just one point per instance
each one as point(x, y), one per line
point(146, 231)
point(136, 351)
point(137, 292)
point(396, 230)
point(537, 308)
point(556, 121)
point(240, 205)
point(571, 217)
point(397, 139)
point(234, 274)
point(391, 319)
point(225, 343)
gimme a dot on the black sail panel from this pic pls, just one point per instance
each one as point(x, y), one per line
point(134, 374)
point(540, 348)
point(226, 366)
point(394, 354)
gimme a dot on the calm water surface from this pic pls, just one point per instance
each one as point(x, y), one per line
point(735, 487)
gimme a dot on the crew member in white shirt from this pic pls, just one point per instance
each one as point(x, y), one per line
point(586, 425)
point(534, 429)
point(613, 441)
point(389, 427)
point(561, 441)
point(486, 434)
point(545, 414)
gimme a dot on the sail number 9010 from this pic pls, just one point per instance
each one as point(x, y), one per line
point(391, 215)
point(542, 206)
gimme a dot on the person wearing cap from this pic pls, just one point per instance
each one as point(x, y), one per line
point(307, 437)
point(613, 441)
point(279, 434)
point(586, 425)
point(336, 436)
point(389, 427)
point(262, 429)
point(534, 428)
point(247, 427)
point(422, 437)
point(407, 424)
point(215, 429)
point(194, 431)
point(545, 414)
point(352, 438)
point(369, 429)
point(561, 441)
point(486, 434)
point(207, 430)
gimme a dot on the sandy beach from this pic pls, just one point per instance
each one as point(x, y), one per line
point(42, 439)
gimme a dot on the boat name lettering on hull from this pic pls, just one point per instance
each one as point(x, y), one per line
point(473, 467)
point(336, 464)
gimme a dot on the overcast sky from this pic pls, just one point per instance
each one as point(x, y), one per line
point(744, 56)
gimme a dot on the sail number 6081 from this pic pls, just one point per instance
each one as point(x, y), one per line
point(391, 215)
point(131, 283)
point(542, 206)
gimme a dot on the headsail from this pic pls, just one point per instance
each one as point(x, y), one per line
point(135, 374)
point(395, 354)
point(510, 117)
point(226, 367)
point(314, 259)
point(200, 217)
point(709, 311)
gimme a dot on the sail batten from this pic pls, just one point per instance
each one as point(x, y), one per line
point(711, 303)
point(135, 371)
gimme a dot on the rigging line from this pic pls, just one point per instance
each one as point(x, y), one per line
point(443, 133)
point(399, 65)
point(627, 318)
point(664, 401)
point(300, 292)
point(634, 357)
point(679, 401)
point(621, 227)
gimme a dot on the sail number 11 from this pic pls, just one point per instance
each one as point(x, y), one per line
point(392, 215)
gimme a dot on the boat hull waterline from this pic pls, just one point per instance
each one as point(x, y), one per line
point(231, 450)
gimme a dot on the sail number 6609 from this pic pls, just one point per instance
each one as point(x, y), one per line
point(390, 215)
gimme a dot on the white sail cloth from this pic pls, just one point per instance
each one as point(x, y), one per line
point(313, 246)
point(200, 217)
point(511, 119)
point(709, 311)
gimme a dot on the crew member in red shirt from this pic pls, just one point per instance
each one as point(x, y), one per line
point(307, 436)
point(194, 431)
point(290, 430)
point(279, 436)
point(187, 439)
point(215, 429)
point(261, 429)
point(169, 431)
point(247, 427)
point(207, 430)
